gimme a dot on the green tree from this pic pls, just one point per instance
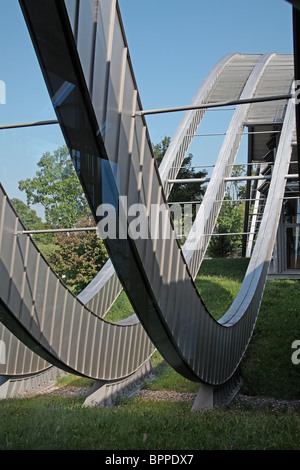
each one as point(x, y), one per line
point(57, 188)
point(79, 256)
point(75, 256)
point(184, 192)
point(160, 149)
point(230, 220)
point(27, 215)
point(32, 221)
point(237, 189)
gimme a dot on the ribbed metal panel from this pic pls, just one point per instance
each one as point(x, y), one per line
point(179, 145)
point(196, 243)
point(230, 84)
point(140, 265)
point(276, 80)
point(51, 316)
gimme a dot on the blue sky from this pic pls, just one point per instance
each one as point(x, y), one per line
point(173, 45)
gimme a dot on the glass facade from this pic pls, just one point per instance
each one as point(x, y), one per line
point(291, 220)
point(293, 247)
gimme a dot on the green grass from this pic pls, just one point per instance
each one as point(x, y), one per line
point(70, 380)
point(120, 310)
point(218, 283)
point(62, 423)
point(168, 379)
point(44, 422)
point(267, 367)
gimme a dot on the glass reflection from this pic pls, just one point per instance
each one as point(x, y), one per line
point(291, 211)
point(293, 247)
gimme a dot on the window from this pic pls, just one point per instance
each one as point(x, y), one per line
point(291, 219)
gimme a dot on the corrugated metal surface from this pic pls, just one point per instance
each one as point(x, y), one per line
point(230, 84)
point(183, 137)
point(276, 80)
point(198, 240)
point(55, 324)
point(153, 271)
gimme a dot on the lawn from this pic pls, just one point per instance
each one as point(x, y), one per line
point(50, 423)
point(267, 366)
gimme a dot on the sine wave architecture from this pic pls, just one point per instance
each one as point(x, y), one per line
point(85, 61)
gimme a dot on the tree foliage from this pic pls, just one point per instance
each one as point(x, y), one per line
point(75, 256)
point(57, 188)
point(230, 220)
point(79, 256)
point(27, 215)
point(31, 221)
point(237, 189)
point(185, 192)
point(160, 149)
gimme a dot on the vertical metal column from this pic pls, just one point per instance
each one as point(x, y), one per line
point(248, 190)
point(296, 38)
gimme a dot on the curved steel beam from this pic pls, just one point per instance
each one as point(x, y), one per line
point(184, 134)
point(199, 236)
point(43, 314)
point(168, 169)
point(160, 288)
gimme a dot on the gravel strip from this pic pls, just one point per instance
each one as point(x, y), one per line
point(156, 396)
point(276, 404)
point(165, 395)
point(239, 399)
point(65, 392)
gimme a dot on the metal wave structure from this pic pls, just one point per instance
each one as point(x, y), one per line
point(84, 58)
point(33, 289)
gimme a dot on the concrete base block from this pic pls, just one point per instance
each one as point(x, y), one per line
point(205, 398)
point(210, 396)
point(22, 386)
point(105, 393)
point(4, 384)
